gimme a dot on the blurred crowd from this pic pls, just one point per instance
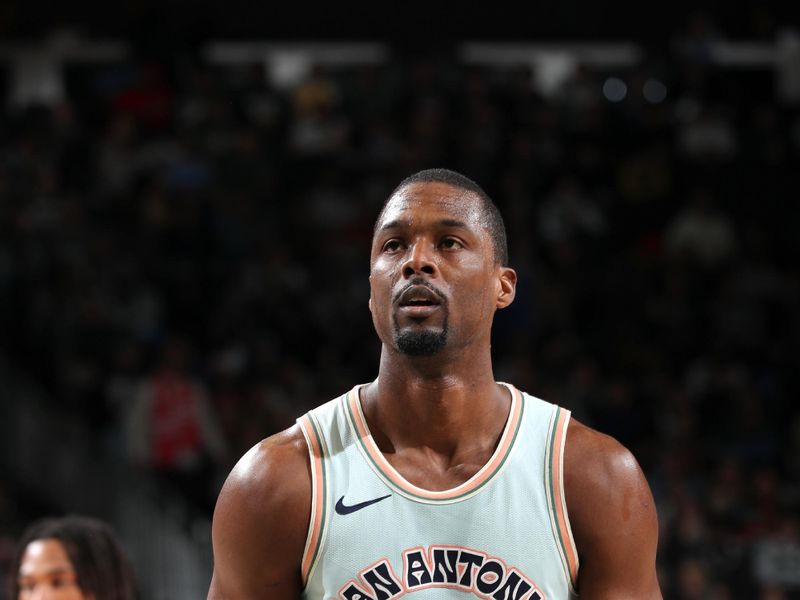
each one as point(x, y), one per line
point(184, 259)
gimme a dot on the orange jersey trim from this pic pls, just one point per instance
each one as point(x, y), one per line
point(554, 482)
point(318, 497)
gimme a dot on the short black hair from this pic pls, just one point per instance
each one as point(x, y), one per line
point(494, 220)
point(101, 567)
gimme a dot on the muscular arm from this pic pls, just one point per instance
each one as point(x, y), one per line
point(613, 518)
point(261, 522)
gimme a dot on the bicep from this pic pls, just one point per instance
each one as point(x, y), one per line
point(258, 533)
point(249, 563)
point(614, 521)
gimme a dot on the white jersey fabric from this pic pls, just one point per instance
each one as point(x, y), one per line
point(504, 534)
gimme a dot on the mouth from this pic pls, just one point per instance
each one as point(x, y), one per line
point(418, 301)
point(418, 311)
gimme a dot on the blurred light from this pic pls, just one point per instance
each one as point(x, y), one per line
point(595, 54)
point(614, 89)
point(288, 64)
point(654, 91)
point(552, 71)
point(287, 69)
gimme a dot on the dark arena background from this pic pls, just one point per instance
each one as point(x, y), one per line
point(187, 194)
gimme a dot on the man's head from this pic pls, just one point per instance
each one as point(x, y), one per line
point(437, 269)
point(78, 557)
point(493, 220)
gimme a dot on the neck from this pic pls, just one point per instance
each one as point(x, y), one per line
point(445, 370)
point(437, 402)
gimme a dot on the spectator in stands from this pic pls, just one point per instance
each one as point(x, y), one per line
point(174, 430)
point(71, 558)
point(700, 233)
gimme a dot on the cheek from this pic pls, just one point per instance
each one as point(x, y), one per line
point(73, 593)
point(479, 294)
point(56, 592)
point(380, 285)
point(379, 293)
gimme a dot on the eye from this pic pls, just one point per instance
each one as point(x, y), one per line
point(392, 245)
point(61, 580)
point(450, 243)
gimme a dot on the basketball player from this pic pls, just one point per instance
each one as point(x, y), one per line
point(71, 558)
point(434, 481)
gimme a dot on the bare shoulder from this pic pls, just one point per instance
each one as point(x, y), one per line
point(612, 515)
point(596, 463)
point(279, 459)
point(261, 521)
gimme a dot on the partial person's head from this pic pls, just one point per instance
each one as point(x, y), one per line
point(71, 558)
point(438, 265)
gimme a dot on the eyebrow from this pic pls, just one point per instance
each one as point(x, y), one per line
point(446, 222)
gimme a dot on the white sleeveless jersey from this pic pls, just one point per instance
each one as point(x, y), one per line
point(503, 535)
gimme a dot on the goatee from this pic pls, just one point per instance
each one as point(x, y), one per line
point(421, 343)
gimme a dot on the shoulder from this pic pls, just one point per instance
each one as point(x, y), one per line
point(612, 515)
point(276, 457)
point(594, 461)
point(602, 476)
point(273, 475)
point(261, 518)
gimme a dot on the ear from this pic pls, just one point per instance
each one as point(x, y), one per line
point(507, 288)
point(369, 304)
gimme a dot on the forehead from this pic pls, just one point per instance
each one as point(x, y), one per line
point(435, 200)
point(44, 554)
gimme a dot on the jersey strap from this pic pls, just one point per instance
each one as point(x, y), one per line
point(554, 486)
point(319, 495)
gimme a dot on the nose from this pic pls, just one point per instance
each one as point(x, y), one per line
point(420, 260)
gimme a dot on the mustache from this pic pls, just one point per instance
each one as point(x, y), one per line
point(418, 281)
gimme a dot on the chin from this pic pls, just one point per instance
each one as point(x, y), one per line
point(421, 343)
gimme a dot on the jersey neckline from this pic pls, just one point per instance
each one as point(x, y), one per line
point(401, 485)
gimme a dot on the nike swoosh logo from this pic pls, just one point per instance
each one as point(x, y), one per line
point(342, 509)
